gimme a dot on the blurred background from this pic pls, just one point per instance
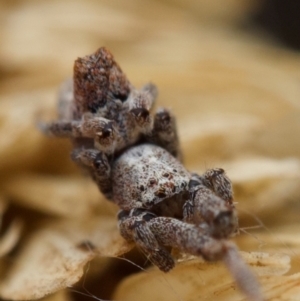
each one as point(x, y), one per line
point(229, 70)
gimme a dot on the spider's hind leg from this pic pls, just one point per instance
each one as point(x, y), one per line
point(134, 226)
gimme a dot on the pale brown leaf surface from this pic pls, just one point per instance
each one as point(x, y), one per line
point(72, 197)
point(199, 280)
point(284, 239)
point(54, 257)
point(263, 185)
point(22, 146)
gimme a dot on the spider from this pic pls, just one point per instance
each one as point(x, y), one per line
point(135, 160)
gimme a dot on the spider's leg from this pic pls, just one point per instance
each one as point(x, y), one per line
point(96, 163)
point(134, 226)
point(206, 206)
point(102, 130)
point(140, 103)
point(217, 180)
point(196, 240)
point(164, 132)
point(61, 128)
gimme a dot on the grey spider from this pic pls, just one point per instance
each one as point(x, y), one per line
point(135, 160)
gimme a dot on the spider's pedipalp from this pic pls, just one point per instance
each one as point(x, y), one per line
point(188, 211)
point(206, 206)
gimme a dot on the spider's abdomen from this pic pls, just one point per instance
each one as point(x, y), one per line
point(145, 175)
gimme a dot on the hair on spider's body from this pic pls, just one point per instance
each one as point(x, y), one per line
point(134, 159)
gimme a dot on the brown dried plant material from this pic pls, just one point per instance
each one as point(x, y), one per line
point(284, 239)
point(67, 196)
point(198, 280)
point(282, 288)
point(54, 257)
point(267, 264)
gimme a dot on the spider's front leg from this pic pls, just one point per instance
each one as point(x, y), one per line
point(211, 202)
point(96, 163)
point(134, 226)
point(103, 131)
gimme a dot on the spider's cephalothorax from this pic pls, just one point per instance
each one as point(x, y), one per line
point(135, 160)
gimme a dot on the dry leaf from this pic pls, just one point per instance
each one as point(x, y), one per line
point(264, 185)
point(22, 146)
point(59, 195)
point(199, 280)
point(284, 239)
point(54, 257)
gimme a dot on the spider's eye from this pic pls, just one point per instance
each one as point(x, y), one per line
point(152, 181)
point(166, 174)
point(104, 134)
